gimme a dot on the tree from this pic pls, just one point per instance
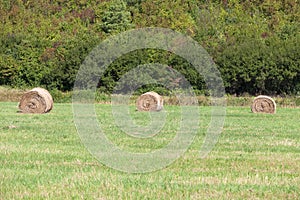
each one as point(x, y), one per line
point(116, 18)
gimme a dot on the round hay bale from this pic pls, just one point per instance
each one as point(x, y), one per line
point(263, 104)
point(37, 100)
point(149, 101)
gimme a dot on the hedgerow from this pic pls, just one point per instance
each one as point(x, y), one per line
point(254, 43)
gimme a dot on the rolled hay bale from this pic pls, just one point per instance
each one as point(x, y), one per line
point(37, 100)
point(149, 101)
point(263, 104)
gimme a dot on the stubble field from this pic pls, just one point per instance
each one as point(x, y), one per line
point(257, 157)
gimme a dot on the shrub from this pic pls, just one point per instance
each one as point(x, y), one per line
point(268, 66)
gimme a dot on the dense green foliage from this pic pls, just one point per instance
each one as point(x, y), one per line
point(256, 44)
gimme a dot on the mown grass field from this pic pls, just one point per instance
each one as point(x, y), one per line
point(257, 157)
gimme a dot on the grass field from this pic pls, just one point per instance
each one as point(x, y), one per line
point(257, 157)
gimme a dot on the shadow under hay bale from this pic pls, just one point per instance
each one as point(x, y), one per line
point(37, 100)
point(263, 104)
point(149, 101)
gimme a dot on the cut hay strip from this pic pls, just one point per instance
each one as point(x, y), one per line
point(37, 100)
point(149, 101)
point(263, 104)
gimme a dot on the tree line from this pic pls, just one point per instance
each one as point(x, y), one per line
point(254, 43)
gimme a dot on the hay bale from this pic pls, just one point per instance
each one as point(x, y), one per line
point(37, 100)
point(263, 104)
point(149, 101)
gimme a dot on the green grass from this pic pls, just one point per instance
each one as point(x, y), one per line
point(257, 157)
